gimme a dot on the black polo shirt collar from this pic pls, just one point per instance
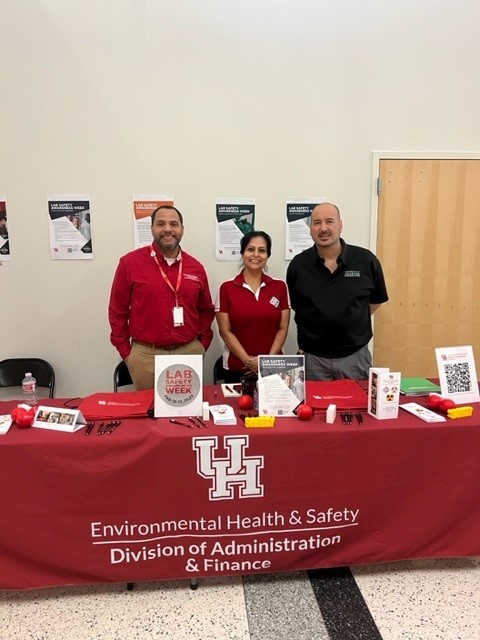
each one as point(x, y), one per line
point(341, 260)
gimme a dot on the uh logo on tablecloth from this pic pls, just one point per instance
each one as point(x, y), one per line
point(178, 392)
point(236, 469)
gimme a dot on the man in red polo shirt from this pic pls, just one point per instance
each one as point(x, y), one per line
point(160, 301)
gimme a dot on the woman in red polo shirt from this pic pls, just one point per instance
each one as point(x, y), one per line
point(252, 310)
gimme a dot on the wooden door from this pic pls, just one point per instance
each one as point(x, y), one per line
point(428, 241)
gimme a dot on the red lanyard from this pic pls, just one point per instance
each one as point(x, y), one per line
point(165, 277)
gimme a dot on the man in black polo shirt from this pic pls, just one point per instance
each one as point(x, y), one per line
point(334, 289)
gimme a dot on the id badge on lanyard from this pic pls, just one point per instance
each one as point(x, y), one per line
point(178, 319)
point(178, 316)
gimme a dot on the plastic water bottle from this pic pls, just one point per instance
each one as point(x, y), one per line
point(29, 386)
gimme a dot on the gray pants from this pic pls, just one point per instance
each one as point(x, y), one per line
point(354, 367)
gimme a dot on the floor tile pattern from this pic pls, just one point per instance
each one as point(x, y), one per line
point(435, 599)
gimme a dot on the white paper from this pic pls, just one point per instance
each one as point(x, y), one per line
point(4, 239)
point(383, 393)
point(70, 227)
point(457, 374)
point(276, 384)
point(299, 211)
point(234, 218)
point(232, 390)
point(223, 414)
point(5, 423)
point(143, 207)
point(422, 412)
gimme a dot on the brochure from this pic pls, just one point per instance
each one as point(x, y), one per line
point(457, 374)
point(422, 412)
point(281, 384)
point(383, 393)
point(418, 387)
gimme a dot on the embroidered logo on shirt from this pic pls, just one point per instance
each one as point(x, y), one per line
point(275, 301)
point(352, 274)
point(190, 277)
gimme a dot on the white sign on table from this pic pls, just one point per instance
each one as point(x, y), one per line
point(59, 419)
point(178, 386)
point(457, 374)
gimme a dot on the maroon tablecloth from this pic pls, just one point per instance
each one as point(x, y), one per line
point(155, 500)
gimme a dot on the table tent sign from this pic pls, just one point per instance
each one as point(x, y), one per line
point(383, 393)
point(59, 419)
point(457, 374)
point(178, 386)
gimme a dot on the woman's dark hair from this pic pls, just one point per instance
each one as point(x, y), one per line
point(244, 242)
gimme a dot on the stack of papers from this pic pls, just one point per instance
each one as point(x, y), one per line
point(223, 414)
point(418, 387)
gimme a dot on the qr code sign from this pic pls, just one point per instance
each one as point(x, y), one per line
point(458, 377)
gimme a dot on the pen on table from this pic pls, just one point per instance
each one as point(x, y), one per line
point(182, 424)
point(113, 426)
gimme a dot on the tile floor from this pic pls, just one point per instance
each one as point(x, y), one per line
point(411, 600)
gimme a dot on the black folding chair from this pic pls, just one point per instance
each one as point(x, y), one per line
point(218, 371)
point(13, 370)
point(121, 376)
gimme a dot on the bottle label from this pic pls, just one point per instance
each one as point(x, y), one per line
point(29, 387)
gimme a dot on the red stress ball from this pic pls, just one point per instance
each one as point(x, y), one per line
point(446, 404)
point(304, 412)
point(245, 402)
point(22, 417)
point(433, 401)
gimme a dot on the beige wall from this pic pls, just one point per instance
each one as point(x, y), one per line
point(202, 99)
